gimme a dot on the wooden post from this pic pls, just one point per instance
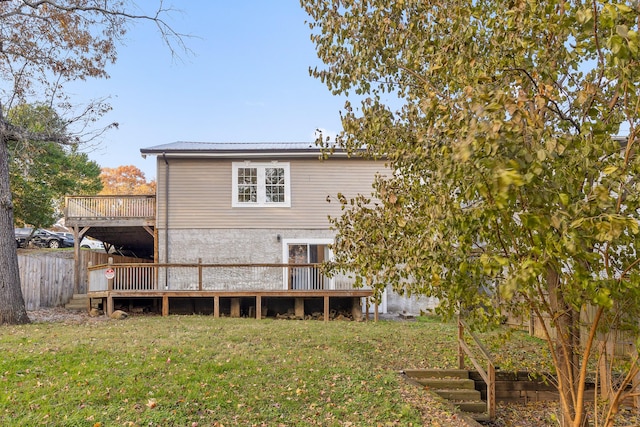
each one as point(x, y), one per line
point(326, 308)
point(532, 324)
point(88, 297)
point(110, 281)
point(109, 305)
point(77, 238)
point(356, 308)
point(235, 307)
point(216, 306)
point(299, 307)
point(491, 392)
point(109, 289)
point(165, 305)
point(258, 307)
point(460, 339)
point(76, 260)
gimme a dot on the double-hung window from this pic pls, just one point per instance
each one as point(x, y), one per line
point(261, 184)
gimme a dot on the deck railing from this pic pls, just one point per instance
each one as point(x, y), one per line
point(214, 277)
point(115, 206)
point(488, 375)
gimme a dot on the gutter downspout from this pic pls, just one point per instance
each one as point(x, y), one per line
point(166, 219)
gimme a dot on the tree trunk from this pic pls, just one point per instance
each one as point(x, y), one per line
point(567, 347)
point(12, 309)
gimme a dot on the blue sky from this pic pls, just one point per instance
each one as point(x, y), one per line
point(246, 81)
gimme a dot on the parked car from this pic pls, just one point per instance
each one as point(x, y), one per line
point(65, 234)
point(90, 243)
point(22, 236)
point(86, 243)
point(48, 239)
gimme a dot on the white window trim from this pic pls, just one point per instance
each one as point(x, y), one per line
point(260, 166)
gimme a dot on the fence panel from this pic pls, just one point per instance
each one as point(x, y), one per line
point(45, 281)
point(623, 341)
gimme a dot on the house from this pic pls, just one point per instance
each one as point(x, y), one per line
point(251, 203)
point(246, 226)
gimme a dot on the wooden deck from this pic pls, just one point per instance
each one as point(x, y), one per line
point(125, 224)
point(233, 290)
point(235, 300)
point(122, 221)
point(122, 210)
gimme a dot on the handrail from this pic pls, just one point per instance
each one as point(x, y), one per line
point(197, 264)
point(110, 206)
point(489, 376)
point(201, 276)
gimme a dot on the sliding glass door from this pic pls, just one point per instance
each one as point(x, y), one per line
point(307, 276)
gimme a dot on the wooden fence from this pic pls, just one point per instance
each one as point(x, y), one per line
point(623, 342)
point(46, 281)
point(47, 278)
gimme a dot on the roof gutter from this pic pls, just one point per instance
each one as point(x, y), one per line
point(242, 154)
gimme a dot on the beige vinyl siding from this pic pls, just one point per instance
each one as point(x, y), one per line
point(200, 193)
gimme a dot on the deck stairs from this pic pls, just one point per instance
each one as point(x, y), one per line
point(79, 302)
point(453, 385)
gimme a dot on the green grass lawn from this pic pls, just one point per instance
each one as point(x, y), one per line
point(201, 371)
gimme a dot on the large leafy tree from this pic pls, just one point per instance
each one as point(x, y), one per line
point(44, 45)
point(43, 172)
point(126, 180)
point(509, 191)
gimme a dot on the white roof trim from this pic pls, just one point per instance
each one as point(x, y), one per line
point(241, 154)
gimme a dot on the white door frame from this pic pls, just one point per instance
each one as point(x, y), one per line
point(301, 241)
point(382, 307)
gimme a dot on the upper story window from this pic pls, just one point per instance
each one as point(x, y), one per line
point(261, 184)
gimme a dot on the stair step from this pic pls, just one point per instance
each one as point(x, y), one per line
point(437, 373)
point(447, 383)
point(79, 302)
point(454, 394)
point(455, 386)
point(471, 406)
point(483, 418)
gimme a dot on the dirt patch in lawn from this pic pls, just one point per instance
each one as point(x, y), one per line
point(66, 253)
point(62, 315)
